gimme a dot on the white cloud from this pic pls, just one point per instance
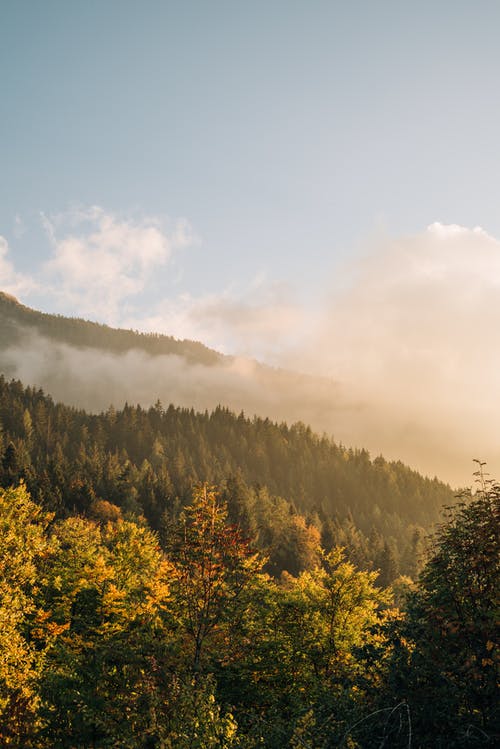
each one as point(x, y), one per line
point(260, 320)
point(413, 340)
point(100, 260)
point(93, 379)
point(411, 337)
point(11, 281)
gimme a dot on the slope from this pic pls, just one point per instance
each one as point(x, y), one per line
point(89, 365)
point(146, 462)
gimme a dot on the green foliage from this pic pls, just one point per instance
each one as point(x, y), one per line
point(296, 654)
point(23, 544)
point(199, 722)
point(214, 565)
point(146, 462)
point(14, 317)
point(446, 657)
point(108, 588)
point(107, 641)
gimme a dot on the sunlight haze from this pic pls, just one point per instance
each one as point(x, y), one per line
point(311, 185)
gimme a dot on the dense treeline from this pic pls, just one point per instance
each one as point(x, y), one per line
point(15, 318)
point(285, 486)
point(107, 641)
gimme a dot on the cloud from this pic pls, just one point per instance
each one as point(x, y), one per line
point(259, 321)
point(409, 338)
point(93, 379)
point(101, 260)
point(11, 281)
point(413, 340)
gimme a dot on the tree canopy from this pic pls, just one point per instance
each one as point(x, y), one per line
point(108, 640)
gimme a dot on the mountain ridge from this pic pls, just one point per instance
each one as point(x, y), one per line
point(90, 365)
point(52, 351)
point(147, 461)
point(95, 335)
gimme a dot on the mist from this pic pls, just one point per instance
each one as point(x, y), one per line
point(399, 357)
point(94, 379)
point(412, 339)
point(407, 333)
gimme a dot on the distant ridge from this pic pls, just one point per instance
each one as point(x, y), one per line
point(79, 332)
point(90, 365)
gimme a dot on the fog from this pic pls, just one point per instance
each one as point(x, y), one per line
point(401, 356)
point(413, 339)
point(92, 379)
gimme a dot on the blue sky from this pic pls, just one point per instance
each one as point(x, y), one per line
point(313, 183)
point(285, 133)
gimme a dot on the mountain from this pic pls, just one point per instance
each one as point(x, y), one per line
point(285, 486)
point(91, 366)
point(146, 458)
point(17, 322)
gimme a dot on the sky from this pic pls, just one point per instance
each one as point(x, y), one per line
point(314, 184)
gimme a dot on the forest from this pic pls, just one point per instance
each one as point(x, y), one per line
point(249, 445)
point(285, 486)
point(194, 580)
point(90, 366)
point(16, 318)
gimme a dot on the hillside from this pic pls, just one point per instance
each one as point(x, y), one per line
point(147, 461)
point(16, 320)
point(91, 366)
point(141, 497)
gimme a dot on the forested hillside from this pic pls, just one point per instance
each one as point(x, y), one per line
point(15, 319)
point(284, 484)
point(88, 365)
point(189, 579)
